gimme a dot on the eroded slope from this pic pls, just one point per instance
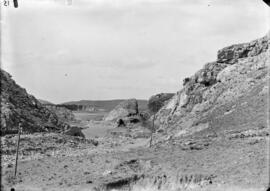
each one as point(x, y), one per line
point(17, 106)
point(228, 94)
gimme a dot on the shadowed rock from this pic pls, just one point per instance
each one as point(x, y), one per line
point(74, 131)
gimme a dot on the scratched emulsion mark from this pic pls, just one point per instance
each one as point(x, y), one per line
point(15, 2)
point(267, 2)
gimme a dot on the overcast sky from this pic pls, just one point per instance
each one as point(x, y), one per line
point(109, 49)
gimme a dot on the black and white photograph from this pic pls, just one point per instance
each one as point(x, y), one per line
point(135, 95)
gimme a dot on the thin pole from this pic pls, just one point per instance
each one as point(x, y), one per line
point(153, 127)
point(268, 116)
point(268, 119)
point(17, 150)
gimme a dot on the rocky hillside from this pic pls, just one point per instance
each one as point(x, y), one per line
point(17, 106)
point(63, 114)
point(228, 94)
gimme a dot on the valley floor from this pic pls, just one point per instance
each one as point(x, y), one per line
point(59, 162)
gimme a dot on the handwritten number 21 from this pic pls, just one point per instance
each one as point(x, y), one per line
point(6, 2)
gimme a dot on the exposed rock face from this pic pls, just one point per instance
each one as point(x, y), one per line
point(232, 53)
point(160, 99)
point(124, 109)
point(230, 93)
point(18, 106)
point(163, 97)
point(64, 114)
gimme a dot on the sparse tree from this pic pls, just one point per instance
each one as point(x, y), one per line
point(154, 105)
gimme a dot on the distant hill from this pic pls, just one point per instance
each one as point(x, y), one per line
point(100, 105)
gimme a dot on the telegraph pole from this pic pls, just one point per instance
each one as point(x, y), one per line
point(17, 150)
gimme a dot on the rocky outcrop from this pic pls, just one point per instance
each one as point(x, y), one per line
point(231, 54)
point(228, 93)
point(64, 114)
point(17, 106)
point(126, 108)
point(161, 98)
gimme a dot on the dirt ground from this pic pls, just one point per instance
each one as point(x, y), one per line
point(115, 161)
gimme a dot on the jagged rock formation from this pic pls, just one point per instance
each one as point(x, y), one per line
point(17, 106)
point(163, 98)
point(230, 93)
point(124, 109)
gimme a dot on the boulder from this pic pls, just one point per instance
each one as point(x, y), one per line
point(128, 121)
point(126, 108)
point(74, 131)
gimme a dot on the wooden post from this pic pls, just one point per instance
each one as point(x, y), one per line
point(153, 127)
point(151, 138)
point(17, 150)
point(268, 126)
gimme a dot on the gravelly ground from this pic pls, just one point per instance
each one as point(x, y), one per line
point(59, 162)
